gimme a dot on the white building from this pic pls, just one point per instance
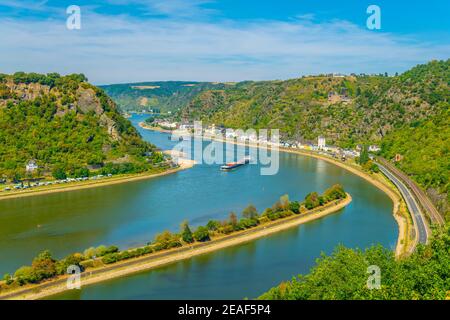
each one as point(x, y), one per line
point(166, 124)
point(321, 143)
point(374, 148)
point(31, 166)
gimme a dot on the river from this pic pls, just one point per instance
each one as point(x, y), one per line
point(130, 214)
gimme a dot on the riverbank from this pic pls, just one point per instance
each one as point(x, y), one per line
point(143, 125)
point(155, 260)
point(183, 165)
point(405, 243)
point(404, 224)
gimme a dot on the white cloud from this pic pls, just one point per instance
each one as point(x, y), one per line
point(112, 49)
point(172, 8)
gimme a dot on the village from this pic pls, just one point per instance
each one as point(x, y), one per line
point(251, 137)
point(35, 179)
point(31, 167)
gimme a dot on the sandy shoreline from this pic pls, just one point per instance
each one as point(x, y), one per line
point(183, 164)
point(403, 222)
point(147, 127)
point(396, 199)
point(390, 191)
point(131, 266)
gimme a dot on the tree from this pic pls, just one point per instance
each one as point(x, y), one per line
point(25, 275)
point(334, 193)
point(73, 259)
point(89, 253)
point(284, 201)
point(371, 167)
point(213, 225)
point(294, 206)
point(166, 240)
point(233, 219)
point(312, 200)
point(8, 278)
point(44, 266)
point(250, 212)
point(344, 274)
point(186, 233)
point(201, 234)
point(364, 157)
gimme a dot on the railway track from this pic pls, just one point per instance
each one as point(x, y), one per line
point(422, 199)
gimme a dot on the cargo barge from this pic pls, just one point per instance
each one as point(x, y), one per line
point(233, 165)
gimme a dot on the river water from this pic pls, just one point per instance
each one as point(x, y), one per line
point(131, 214)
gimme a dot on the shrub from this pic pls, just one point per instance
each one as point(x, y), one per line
point(202, 234)
point(103, 250)
point(148, 249)
point(294, 206)
point(248, 223)
point(166, 240)
point(72, 259)
point(335, 192)
point(87, 264)
point(8, 279)
point(25, 275)
point(90, 252)
point(226, 229)
point(110, 258)
point(213, 225)
point(312, 200)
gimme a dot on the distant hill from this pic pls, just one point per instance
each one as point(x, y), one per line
point(162, 95)
point(407, 114)
point(66, 125)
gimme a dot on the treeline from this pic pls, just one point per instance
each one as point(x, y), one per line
point(428, 164)
point(68, 128)
point(44, 266)
point(344, 275)
point(158, 96)
point(49, 79)
point(399, 113)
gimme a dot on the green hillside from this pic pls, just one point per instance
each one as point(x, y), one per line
point(163, 95)
point(406, 114)
point(66, 125)
point(344, 275)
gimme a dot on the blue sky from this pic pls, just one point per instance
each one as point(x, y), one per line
point(220, 40)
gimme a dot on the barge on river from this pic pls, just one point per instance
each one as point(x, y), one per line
point(232, 165)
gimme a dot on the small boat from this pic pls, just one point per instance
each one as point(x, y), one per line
point(233, 165)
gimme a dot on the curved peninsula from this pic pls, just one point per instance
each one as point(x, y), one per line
point(405, 242)
point(269, 223)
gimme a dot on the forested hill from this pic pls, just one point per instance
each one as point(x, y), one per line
point(65, 124)
point(408, 114)
point(343, 275)
point(163, 95)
